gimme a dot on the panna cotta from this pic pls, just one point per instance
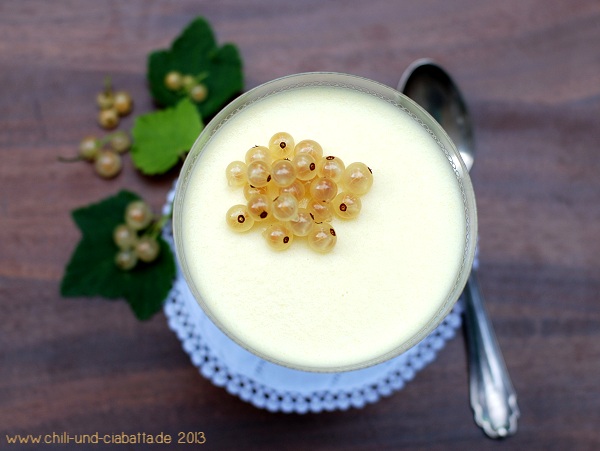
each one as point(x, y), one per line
point(396, 269)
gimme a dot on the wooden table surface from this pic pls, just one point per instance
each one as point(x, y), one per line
point(530, 71)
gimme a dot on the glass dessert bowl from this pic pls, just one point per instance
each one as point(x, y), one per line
point(396, 270)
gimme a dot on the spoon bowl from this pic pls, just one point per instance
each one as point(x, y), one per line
point(430, 86)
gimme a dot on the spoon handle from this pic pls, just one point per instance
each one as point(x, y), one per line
point(493, 398)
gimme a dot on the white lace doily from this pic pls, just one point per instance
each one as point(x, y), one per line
point(276, 388)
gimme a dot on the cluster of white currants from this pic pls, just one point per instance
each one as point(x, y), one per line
point(106, 152)
point(191, 85)
point(132, 246)
point(295, 191)
point(112, 105)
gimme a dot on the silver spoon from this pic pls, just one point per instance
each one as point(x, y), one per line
point(493, 398)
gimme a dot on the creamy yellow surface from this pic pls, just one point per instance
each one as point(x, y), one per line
point(392, 267)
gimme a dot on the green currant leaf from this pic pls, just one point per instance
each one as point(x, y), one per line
point(162, 138)
point(195, 52)
point(92, 270)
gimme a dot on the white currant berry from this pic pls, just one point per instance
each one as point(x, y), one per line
point(322, 237)
point(199, 92)
point(126, 259)
point(281, 145)
point(188, 82)
point(259, 207)
point(285, 207)
point(236, 173)
point(297, 189)
point(259, 173)
point(310, 147)
point(124, 237)
point(239, 219)
point(272, 190)
point(147, 249)
point(138, 215)
point(250, 190)
point(330, 167)
point(357, 178)
point(123, 103)
point(320, 211)
point(120, 142)
point(108, 164)
point(283, 172)
point(108, 119)
point(323, 189)
point(279, 236)
point(173, 81)
point(346, 205)
point(302, 223)
point(105, 99)
point(89, 147)
point(258, 153)
point(305, 165)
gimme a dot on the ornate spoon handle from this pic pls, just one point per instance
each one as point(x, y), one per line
point(493, 398)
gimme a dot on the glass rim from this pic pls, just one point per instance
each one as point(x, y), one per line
point(384, 92)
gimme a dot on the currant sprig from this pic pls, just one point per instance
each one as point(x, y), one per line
point(113, 105)
point(103, 152)
point(137, 237)
point(190, 85)
point(292, 190)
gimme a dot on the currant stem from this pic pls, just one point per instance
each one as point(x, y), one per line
point(158, 225)
point(201, 76)
point(107, 84)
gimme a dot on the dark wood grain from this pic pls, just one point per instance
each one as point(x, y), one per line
point(530, 71)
